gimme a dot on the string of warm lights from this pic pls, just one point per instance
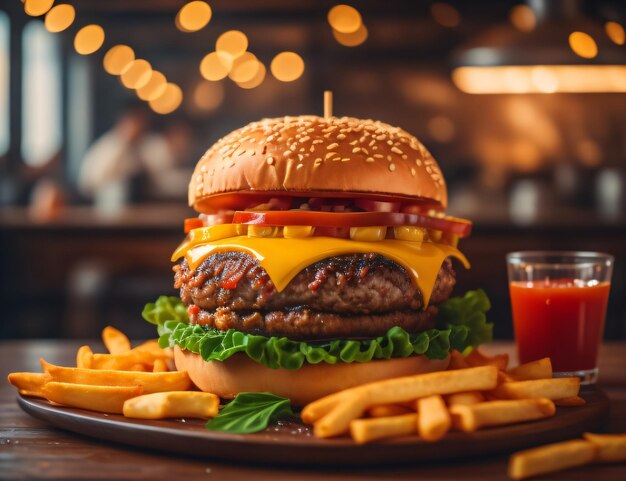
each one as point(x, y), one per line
point(136, 74)
point(347, 25)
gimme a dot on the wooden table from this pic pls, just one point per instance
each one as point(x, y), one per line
point(30, 449)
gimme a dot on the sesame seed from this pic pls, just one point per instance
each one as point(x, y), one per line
point(270, 161)
point(381, 137)
point(300, 156)
point(371, 144)
point(341, 136)
point(379, 156)
point(287, 153)
point(389, 158)
point(330, 154)
point(392, 167)
point(396, 150)
point(335, 159)
point(318, 141)
point(418, 162)
point(203, 168)
point(293, 146)
point(198, 178)
point(318, 161)
point(404, 156)
point(299, 166)
point(429, 169)
point(354, 142)
point(345, 159)
point(332, 146)
point(305, 139)
point(412, 171)
point(369, 159)
point(365, 151)
point(356, 150)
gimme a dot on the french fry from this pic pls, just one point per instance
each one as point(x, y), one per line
point(318, 409)
point(433, 420)
point(351, 403)
point(550, 458)
point(367, 430)
point(139, 367)
point(115, 341)
point(122, 362)
point(457, 361)
point(464, 398)
point(337, 421)
point(29, 383)
point(159, 366)
point(149, 381)
point(504, 377)
point(175, 404)
point(469, 418)
point(106, 399)
point(558, 388)
point(477, 358)
point(84, 357)
point(570, 401)
point(152, 346)
point(387, 410)
point(610, 448)
point(540, 369)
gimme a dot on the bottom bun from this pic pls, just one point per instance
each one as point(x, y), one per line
point(312, 381)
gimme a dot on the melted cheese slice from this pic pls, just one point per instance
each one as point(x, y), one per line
point(284, 258)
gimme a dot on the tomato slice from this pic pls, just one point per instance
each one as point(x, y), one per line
point(451, 225)
point(193, 223)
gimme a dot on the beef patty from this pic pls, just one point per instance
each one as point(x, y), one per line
point(357, 295)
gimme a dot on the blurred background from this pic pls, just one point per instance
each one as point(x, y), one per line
point(105, 106)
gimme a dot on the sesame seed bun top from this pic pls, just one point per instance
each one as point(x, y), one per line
point(311, 156)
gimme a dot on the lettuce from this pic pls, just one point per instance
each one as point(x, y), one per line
point(459, 329)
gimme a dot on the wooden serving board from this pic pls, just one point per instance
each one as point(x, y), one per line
point(292, 443)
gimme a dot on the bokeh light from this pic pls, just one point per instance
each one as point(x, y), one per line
point(232, 43)
point(445, 14)
point(137, 74)
point(583, 44)
point(287, 66)
point(154, 88)
point(117, 59)
point(615, 32)
point(523, 18)
point(89, 39)
point(215, 66)
point(353, 39)
point(244, 68)
point(60, 18)
point(344, 18)
point(168, 101)
point(256, 80)
point(35, 8)
point(193, 16)
point(544, 80)
point(208, 96)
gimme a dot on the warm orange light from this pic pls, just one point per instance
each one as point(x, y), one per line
point(445, 14)
point(215, 66)
point(441, 128)
point(193, 16)
point(351, 39)
point(541, 79)
point(60, 18)
point(154, 88)
point(287, 66)
point(256, 80)
point(35, 8)
point(523, 18)
point(232, 43)
point(244, 68)
point(208, 96)
point(615, 32)
point(168, 101)
point(344, 18)
point(89, 39)
point(137, 74)
point(117, 59)
point(583, 44)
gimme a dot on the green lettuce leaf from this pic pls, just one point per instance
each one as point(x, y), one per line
point(462, 322)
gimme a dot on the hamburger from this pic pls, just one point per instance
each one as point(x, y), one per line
point(321, 259)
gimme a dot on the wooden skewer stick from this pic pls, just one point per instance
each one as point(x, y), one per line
point(328, 104)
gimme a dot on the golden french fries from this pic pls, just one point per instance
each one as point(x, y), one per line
point(433, 420)
point(558, 388)
point(367, 430)
point(159, 366)
point(84, 357)
point(115, 341)
point(610, 448)
point(387, 410)
point(549, 458)
point(173, 404)
point(29, 383)
point(152, 346)
point(106, 399)
point(570, 401)
point(540, 369)
point(469, 418)
point(352, 403)
point(122, 362)
point(477, 358)
point(319, 408)
point(465, 398)
point(149, 381)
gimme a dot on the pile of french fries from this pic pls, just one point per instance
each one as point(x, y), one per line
point(136, 382)
point(477, 391)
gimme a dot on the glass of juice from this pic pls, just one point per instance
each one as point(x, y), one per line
point(559, 302)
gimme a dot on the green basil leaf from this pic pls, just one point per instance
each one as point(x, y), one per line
point(250, 412)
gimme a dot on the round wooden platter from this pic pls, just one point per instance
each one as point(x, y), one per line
point(291, 443)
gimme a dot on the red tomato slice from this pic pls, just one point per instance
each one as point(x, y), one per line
point(460, 227)
point(193, 223)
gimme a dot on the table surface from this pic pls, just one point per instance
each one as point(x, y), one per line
point(31, 449)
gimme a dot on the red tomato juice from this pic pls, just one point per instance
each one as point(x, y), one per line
point(561, 319)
